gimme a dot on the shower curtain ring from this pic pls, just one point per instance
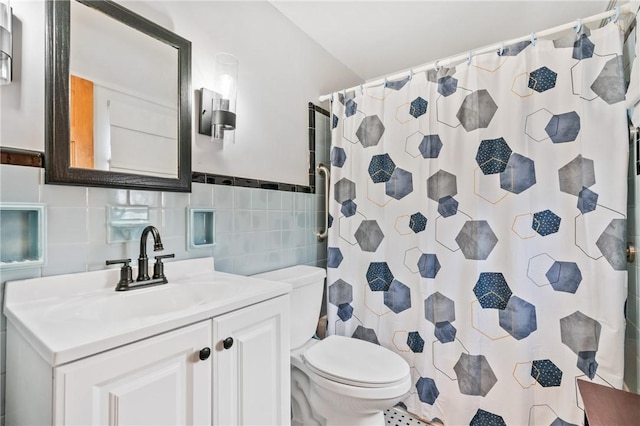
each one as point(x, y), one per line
point(469, 58)
point(617, 17)
point(534, 38)
point(410, 73)
point(578, 26)
point(361, 90)
point(436, 67)
point(501, 51)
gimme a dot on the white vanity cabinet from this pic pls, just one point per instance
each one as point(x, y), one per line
point(157, 381)
point(105, 358)
point(251, 372)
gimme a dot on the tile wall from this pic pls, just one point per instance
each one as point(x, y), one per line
point(257, 230)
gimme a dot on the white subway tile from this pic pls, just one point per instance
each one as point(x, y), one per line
point(63, 196)
point(274, 200)
point(274, 259)
point(274, 220)
point(241, 198)
point(201, 195)
point(288, 257)
point(259, 199)
point(300, 255)
point(19, 184)
point(299, 238)
point(274, 240)
point(300, 199)
point(67, 225)
point(309, 204)
point(242, 220)
point(224, 245)
point(101, 197)
point(224, 264)
point(288, 239)
point(259, 220)
point(223, 196)
point(145, 198)
point(173, 223)
point(65, 259)
point(224, 221)
point(287, 200)
point(97, 225)
point(180, 200)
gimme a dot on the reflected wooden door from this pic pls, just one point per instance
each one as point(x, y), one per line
point(81, 126)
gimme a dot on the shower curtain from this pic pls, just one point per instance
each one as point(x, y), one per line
point(478, 220)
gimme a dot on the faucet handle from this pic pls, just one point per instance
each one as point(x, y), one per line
point(125, 262)
point(158, 267)
point(126, 276)
point(164, 256)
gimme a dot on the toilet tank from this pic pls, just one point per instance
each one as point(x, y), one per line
point(305, 299)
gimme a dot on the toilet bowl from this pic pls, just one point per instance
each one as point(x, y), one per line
point(338, 380)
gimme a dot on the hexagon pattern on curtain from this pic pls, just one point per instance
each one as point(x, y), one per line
point(478, 223)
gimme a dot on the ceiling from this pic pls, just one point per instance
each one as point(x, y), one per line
point(377, 38)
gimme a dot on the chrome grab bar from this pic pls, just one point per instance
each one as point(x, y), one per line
point(322, 235)
point(631, 252)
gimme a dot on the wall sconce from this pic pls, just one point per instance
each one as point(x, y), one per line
point(6, 42)
point(218, 106)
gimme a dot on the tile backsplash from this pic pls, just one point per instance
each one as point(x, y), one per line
point(256, 229)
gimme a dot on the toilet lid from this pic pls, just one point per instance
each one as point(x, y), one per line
point(355, 362)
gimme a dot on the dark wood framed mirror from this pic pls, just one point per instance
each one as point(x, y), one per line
point(118, 99)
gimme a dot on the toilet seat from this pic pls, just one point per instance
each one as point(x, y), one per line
point(355, 362)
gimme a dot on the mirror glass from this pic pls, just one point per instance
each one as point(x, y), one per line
point(118, 92)
point(124, 97)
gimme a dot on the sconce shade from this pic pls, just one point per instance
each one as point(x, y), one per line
point(6, 43)
point(218, 106)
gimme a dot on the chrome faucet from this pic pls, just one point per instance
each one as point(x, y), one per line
point(143, 260)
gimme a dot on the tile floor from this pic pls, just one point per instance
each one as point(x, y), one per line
point(395, 417)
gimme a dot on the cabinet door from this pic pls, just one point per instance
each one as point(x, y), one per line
point(251, 379)
point(157, 381)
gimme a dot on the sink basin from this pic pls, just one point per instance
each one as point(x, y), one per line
point(69, 317)
point(141, 303)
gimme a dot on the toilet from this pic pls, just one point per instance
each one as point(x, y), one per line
point(338, 380)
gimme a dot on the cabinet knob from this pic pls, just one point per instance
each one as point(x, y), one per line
point(205, 353)
point(227, 343)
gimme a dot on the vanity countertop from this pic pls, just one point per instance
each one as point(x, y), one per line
point(68, 317)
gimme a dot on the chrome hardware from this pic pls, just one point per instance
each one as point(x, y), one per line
point(631, 252)
point(322, 235)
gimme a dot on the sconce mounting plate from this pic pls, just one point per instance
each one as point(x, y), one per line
point(206, 102)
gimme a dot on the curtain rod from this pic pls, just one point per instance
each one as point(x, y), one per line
point(626, 8)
